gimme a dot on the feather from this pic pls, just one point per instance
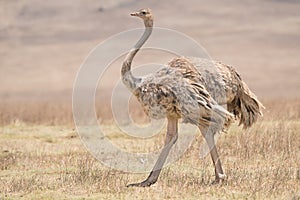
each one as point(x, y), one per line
point(226, 86)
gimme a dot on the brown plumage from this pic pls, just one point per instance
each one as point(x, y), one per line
point(172, 93)
point(226, 86)
point(193, 90)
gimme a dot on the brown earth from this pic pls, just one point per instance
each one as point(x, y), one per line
point(44, 44)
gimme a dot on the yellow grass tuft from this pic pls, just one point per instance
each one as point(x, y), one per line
point(50, 162)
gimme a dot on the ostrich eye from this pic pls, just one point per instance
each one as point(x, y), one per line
point(144, 13)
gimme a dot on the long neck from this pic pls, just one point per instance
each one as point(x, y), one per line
point(128, 79)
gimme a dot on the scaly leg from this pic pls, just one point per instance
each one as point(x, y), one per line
point(170, 140)
point(209, 137)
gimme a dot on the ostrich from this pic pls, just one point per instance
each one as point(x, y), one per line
point(184, 90)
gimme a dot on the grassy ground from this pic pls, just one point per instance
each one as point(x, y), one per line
point(50, 162)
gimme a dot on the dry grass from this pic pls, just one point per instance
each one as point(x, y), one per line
point(35, 112)
point(50, 162)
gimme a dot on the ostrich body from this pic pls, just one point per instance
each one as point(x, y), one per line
point(226, 86)
point(180, 91)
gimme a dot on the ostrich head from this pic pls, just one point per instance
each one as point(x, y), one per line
point(146, 15)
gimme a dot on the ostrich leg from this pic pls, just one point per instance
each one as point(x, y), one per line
point(170, 140)
point(209, 137)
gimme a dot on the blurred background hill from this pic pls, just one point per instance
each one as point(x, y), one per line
point(43, 44)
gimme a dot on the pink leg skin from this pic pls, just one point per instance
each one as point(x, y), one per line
point(219, 173)
point(170, 140)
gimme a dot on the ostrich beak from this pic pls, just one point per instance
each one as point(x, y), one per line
point(134, 14)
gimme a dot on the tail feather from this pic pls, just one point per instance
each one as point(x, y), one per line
point(250, 108)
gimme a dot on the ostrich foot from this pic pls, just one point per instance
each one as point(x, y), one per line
point(145, 183)
point(219, 179)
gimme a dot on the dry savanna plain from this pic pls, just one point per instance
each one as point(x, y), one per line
point(42, 45)
point(50, 162)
